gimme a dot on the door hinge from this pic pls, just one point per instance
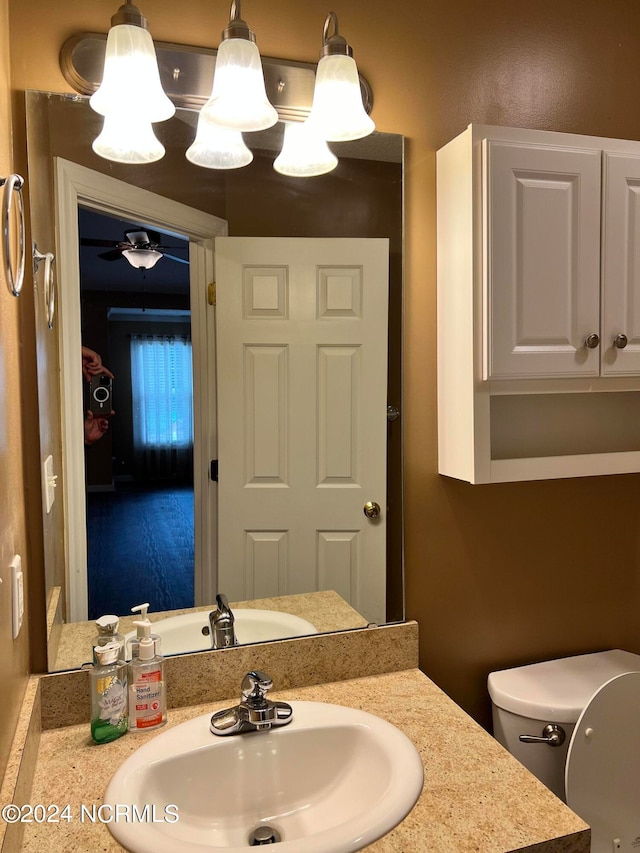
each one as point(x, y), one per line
point(214, 470)
point(211, 293)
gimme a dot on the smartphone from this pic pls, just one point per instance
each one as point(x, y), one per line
point(100, 395)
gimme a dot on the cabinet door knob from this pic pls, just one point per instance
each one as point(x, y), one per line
point(592, 341)
point(620, 341)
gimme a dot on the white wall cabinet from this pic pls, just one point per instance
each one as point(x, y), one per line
point(538, 305)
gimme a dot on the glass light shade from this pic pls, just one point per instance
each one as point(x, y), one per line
point(337, 113)
point(125, 139)
point(238, 97)
point(304, 153)
point(218, 147)
point(131, 80)
point(142, 258)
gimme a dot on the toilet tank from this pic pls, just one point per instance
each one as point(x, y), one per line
point(526, 698)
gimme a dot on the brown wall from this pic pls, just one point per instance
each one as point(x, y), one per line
point(14, 654)
point(496, 575)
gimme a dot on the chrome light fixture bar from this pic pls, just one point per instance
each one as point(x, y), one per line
point(186, 73)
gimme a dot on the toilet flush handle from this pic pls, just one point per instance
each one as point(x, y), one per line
point(551, 735)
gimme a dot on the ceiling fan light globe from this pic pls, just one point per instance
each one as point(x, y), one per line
point(131, 76)
point(144, 259)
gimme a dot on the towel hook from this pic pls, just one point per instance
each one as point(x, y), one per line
point(49, 283)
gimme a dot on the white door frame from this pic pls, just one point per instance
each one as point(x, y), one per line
point(77, 185)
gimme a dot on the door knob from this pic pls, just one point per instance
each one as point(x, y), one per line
point(591, 341)
point(620, 341)
point(372, 509)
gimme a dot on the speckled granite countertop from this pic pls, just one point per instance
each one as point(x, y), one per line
point(327, 610)
point(476, 797)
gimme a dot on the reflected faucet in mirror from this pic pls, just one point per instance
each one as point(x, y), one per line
point(221, 621)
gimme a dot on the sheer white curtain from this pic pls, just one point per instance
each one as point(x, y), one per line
point(162, 391)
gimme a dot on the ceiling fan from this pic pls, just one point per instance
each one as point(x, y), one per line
point(141, 248)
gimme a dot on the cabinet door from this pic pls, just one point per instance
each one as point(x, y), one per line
point(542, 260)
point(620, 348)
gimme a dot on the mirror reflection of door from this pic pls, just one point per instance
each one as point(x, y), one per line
point(138, 460)
point(302, 417)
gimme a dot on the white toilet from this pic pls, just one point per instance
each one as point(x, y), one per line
point(589, 706)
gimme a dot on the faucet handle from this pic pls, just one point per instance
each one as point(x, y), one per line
point(255, 686)
point(223, 603)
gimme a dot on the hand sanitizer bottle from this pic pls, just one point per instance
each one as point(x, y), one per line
point(134, 644)
point(108, 681)
point(108, 633)
point(147, 696)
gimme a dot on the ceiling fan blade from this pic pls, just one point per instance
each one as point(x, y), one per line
point(153, 237)
point(88, 241)
point(113, 255)
point(174, 258)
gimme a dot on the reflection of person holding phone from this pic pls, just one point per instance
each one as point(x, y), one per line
point(92, 364)
point(95, 428)
point(96, 423)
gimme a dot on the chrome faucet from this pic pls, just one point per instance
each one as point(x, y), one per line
point(223, 634)
point(255, 712)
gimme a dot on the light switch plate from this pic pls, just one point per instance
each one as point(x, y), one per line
point(17, 594)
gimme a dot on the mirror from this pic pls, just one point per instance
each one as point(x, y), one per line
point(361, 198)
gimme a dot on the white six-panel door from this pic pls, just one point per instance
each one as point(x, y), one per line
point(542, 260)
point(302, 376)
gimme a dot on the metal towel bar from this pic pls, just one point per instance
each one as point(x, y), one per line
point(15, 280)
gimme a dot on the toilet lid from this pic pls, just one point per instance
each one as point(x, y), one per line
point(602, 772)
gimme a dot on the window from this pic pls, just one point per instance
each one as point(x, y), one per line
point(162, 386)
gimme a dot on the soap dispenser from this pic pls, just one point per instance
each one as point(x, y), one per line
point(147, 695)
point(134, 643)
point(108, 685)
point(108, 633)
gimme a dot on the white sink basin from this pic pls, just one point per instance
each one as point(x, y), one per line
point(184, 633)
point(332, 781)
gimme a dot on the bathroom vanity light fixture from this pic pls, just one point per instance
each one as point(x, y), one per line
point(217, 147)
point(338, 113)
point(238, 98)
point(130, 96)
point(285, 90)
point(304, 154)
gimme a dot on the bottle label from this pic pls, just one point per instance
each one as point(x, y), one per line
point(112, 699)
point(146, 701)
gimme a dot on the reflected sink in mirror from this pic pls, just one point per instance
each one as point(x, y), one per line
point(190, 632)
point(334, 780)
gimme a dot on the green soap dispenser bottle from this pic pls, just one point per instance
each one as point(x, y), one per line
point(147, 695)
point(108, 684)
